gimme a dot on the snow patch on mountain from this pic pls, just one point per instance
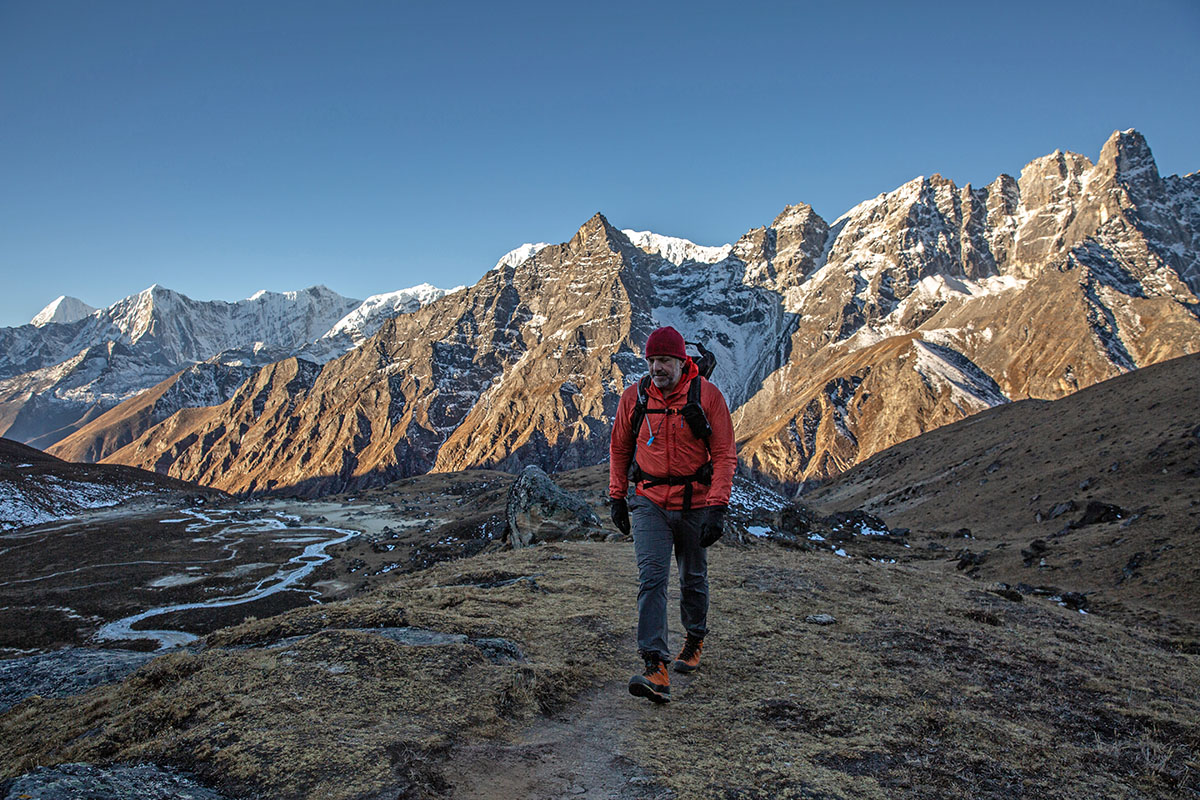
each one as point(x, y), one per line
point(63, 309)
point(745, 327)
point(520, 254)
point(943, 368)
point(22, 503)
point(676, 250)
point(934, 291)
point(364, 321)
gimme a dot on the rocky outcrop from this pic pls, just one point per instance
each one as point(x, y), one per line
point(539, 511)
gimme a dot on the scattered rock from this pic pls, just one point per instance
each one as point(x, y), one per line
point(1130, 570)
point(1034, 552)
point(499, 651)
point(969, 560)
point(857, 522)
point(116, 782)
point(539, 511)
point(820, 619)
point(1062, 508)
point(963, 533)
point(1096, 513)
point(799, 518)
point(1007, 592)
point(1076, 601)
point(494, 649)
point(840, 535)
point(418, 637)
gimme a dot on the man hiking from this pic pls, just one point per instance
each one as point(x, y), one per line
point(673, 439)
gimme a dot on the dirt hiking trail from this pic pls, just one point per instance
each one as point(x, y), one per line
point(575, 752)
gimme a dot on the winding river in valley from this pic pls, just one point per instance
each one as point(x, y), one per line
point(233, 530)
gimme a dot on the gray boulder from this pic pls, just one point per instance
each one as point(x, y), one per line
point(61, 673)
point(116, 782)
point(539, 511)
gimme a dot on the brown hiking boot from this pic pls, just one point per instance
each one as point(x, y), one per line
point(689, 657)
point(654, 683)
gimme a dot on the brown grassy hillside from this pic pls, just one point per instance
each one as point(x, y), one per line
point(1026, 473)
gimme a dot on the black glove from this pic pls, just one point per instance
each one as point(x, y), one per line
point(620, 514)
point(712, 525)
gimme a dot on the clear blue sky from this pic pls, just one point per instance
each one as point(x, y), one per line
point(219, 148)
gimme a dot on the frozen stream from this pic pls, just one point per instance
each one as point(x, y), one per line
point(221, 526)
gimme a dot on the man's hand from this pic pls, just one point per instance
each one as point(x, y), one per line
point(620, 514)
point(712, 526)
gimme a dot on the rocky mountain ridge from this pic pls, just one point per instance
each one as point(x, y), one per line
point(932, 302)
point(834, 341)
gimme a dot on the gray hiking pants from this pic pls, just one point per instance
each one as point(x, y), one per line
point(656, 532)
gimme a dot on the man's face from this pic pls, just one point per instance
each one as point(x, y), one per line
point(665, 371)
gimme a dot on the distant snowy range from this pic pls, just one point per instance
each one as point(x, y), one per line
point(72, 362)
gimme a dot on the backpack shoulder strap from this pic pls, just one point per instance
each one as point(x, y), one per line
point(639, 410)
point(693, 412)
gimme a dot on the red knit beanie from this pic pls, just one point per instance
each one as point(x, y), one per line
point(666, 342)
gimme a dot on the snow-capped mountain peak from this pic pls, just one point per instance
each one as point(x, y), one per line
point(63, 309)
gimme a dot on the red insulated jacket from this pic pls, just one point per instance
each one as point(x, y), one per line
point(675, 451)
